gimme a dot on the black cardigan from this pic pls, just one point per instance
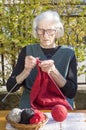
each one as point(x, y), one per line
point(70, 88)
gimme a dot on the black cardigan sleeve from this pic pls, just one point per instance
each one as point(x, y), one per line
point(17, 70)
point(70, 88)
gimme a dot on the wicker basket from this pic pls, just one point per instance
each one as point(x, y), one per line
point(28, 126)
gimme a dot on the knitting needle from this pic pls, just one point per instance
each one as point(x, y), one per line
point(8, 93)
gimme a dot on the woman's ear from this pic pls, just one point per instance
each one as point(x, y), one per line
point(56, 35)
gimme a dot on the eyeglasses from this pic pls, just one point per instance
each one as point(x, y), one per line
point(41, 31)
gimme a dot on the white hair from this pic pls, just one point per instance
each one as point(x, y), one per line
point(49, 15)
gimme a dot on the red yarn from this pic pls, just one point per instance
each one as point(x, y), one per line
point(45, 93)
point(59, 113)
point(38, 117)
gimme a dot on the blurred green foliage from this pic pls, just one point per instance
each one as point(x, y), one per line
point(16, 29)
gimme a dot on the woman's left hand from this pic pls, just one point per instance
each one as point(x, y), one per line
point(47, 66)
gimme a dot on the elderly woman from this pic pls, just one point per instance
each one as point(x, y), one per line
point(58, 61)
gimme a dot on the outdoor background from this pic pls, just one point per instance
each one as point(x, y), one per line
point(16, 17)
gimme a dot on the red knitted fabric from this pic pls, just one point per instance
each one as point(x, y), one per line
point(45, 93)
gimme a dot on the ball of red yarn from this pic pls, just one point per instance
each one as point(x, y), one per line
point(59, 113)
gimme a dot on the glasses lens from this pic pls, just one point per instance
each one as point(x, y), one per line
point(40, 31)
point(50, 31)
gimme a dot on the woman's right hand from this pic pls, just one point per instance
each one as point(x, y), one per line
point(30, 63)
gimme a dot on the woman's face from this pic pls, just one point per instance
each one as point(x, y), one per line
point(46, 33)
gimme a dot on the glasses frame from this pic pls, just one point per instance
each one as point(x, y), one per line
point(42, 31)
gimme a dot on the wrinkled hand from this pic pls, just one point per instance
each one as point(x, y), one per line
point(47, 66)
point(30, 62)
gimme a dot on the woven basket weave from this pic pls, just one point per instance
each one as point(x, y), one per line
point(28, 126)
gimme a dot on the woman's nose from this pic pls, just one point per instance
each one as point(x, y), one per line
point(45, 34)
